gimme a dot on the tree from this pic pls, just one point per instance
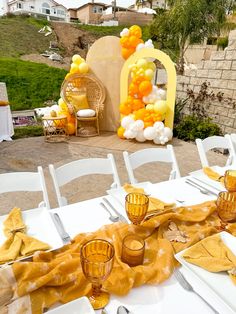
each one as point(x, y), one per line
point(186, 21)
point(142, 1)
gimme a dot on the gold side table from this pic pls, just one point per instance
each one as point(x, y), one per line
point(55, 129)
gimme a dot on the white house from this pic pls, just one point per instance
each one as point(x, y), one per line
point(48, 8)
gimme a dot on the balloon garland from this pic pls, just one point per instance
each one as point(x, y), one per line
point(79, 66)
point(143, 112)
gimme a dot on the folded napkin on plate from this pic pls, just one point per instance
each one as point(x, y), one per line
point(18, 243)
point(213, 175)
point(154, 203)
point(213, 255)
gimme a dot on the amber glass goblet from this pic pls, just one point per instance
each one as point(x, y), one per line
point(230, 180)
point(226, 206)
point(136, 205)
point(97, 257)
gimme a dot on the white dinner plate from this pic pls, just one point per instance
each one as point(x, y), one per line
point(78, 306)
point(219, 283)
point(120, 193)
point(216, 186)
point(39, 225)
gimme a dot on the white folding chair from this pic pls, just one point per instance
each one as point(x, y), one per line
point(213, 142)
point(141, 157)
point(82, 167)
point(25, 182)
point(233, 139)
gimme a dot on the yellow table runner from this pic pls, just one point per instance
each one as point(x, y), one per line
point(213, 175)
point(57, 276)
point(18, 244)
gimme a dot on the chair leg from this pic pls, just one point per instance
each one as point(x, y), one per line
point(97, 122)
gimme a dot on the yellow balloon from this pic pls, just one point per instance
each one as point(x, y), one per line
point(160, 106)
point(71, 128)
point(76, 59)
point(151, 66)
point(142, 63)
point(150, 107)
point(60, 102)
point(83, 68)
point(74, 68)
point(149, 73)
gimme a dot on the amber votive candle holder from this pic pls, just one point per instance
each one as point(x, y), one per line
point(133, 248)
point(226, 206)
point(230, 180)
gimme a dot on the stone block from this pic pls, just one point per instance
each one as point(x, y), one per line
point(229, 130)
point(214, 74)
point(210, 109)
point(231, 54)
point(200, 65)
point(223, 65)
point(210, 65)
point(234, 95)
point(228, 75)
point(228, 93)
point(215, 118)
point(183, 79)
point(190, 72)
point(232, 113)
point(231, 84)
point(226, 121)
point(233, 66)
point(218, 55)
point(221, 111)
point(202, 73)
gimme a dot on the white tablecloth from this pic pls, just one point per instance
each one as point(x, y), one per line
point(6, 124)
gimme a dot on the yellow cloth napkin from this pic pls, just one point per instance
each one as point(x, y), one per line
point(154, 203)
point(213, 255)
point(18, 244)
point(213, 175)
point(57, 276)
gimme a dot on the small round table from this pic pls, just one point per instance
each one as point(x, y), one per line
point(55, 129)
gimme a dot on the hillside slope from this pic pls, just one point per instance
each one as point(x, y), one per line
point(19, 36)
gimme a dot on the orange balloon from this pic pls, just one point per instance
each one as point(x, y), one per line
point(147, 124)
point(127, 52)
point(145, 88)
point(139, 114)
point(71, 128)
point(136, 31)
point(120, 132)
point(137, 104)
point(125, 109)
point(134, 41)
point(125, 42)
point(133, 89)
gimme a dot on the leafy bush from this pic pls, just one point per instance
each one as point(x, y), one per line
point(28, 131)
point(222, 42)
point(192, 127)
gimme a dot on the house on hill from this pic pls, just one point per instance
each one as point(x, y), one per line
point(46, 8)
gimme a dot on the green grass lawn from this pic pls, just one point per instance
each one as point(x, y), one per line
point(30, 84)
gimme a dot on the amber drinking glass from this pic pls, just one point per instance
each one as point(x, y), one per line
point(97, 257)
point(226, 206)
point(136, 205)
point(133, 248)
point(230, 180)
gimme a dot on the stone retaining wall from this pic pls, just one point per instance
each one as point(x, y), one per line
point(220, 73)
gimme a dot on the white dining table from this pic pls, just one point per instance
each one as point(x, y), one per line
point(165, 298)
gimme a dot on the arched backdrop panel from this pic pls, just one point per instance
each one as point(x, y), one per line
point(171, 79)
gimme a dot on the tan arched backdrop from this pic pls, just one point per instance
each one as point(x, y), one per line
point(105, 61)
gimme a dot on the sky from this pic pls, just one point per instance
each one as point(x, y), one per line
point(78, 3)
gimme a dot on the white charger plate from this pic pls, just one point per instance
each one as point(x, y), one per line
point(39, 225)
point(78, 306)
point(219, 283)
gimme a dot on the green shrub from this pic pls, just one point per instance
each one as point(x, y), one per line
point(192, 127)
point(28, 131)
point(222, 42)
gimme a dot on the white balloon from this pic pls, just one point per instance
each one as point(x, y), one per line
point(126, 121)
point(157, 140)
point(140, 46)
point(140, 137)
point(149, 44)
point(154, 88)
point(133, 127)
point(130, 134)
point(125, 32)
point(150, 133)
point(167, 132)
point(139, 125)
point(161, 94)
point(159, 126)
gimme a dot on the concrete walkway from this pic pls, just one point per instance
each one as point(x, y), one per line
point(27, 154)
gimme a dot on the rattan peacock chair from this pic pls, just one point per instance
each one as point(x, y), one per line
point(95, 92)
